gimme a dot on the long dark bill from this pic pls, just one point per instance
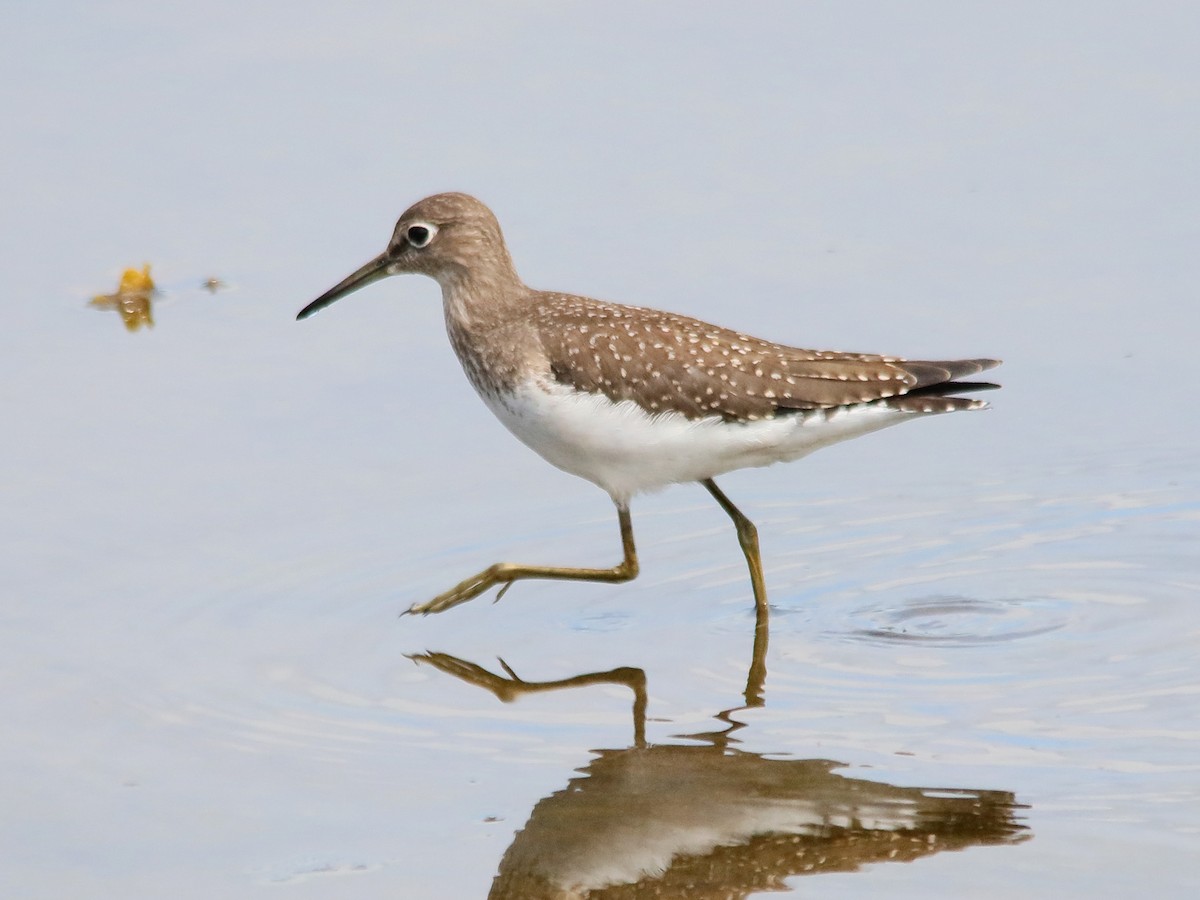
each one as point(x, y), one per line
point(368, 274)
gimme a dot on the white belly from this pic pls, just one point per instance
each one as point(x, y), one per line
point(626, 450)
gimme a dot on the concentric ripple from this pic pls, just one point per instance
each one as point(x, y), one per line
point(956, 621)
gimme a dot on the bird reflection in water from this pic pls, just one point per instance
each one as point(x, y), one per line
point(710, 820)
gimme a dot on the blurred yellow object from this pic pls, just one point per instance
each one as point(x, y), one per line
point(132, 280)
point(132, 299)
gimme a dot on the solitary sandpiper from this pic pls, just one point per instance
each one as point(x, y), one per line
point(634, 399)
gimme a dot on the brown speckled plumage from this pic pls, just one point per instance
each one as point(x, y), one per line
point(505, 333)
point(667, 362)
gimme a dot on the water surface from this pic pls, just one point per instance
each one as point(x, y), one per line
point(979, 673)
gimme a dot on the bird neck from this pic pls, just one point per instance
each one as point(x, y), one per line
point(481, 298)
point(487, 327)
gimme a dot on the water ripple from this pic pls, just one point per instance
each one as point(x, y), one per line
point(955, 621)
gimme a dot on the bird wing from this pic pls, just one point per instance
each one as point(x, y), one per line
point(667, 362)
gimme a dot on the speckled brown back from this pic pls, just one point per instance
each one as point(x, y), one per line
point(668, 362)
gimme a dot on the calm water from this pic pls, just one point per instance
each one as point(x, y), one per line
point(979, 673)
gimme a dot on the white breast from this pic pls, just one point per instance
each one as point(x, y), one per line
point(626, 450)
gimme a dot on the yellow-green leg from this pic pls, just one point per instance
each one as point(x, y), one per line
point(748, 538)
point(504, 574)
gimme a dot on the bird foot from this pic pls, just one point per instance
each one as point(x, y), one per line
point(464, 591)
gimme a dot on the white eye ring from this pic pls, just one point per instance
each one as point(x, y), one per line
point(419, 234)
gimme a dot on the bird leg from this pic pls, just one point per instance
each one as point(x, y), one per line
point(748, 538)
point(504, 574)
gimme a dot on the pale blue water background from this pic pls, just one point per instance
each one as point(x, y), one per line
point(207, 529)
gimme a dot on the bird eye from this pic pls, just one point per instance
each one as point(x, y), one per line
point(420, 235)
